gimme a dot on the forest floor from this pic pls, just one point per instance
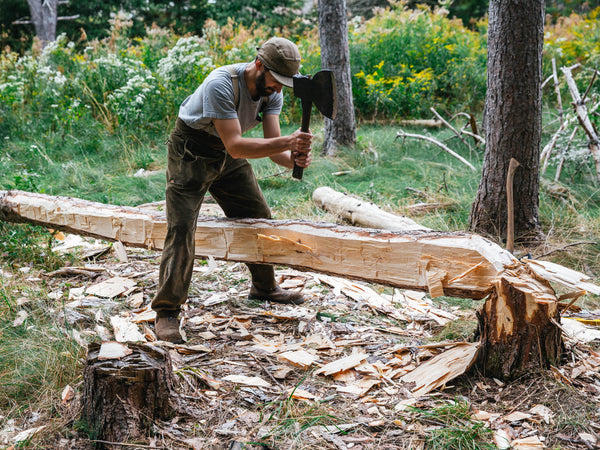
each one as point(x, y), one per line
point(248, 374)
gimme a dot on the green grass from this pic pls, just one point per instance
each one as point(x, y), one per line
point(289, 418)
point(453, 428)
point(37, 360)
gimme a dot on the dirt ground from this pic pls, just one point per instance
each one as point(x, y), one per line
point(249, 373)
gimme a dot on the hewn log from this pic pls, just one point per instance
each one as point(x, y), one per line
point(123, 395)
point(457, 264)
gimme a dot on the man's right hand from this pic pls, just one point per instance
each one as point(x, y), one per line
point(301, 147)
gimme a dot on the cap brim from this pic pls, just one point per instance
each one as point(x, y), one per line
point(286, 81)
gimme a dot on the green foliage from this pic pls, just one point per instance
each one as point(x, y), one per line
point(270, 13)
point(457, 430)
point(24, 245)
point(406, 61)
point(290, 417)
point(37, 359)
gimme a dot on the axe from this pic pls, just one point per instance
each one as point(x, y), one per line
point(320, 90)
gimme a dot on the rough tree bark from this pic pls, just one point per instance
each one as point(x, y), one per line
point(519, 332)
point(122, 397)
point(44, 15)
point(513, 120)
point(335, 55)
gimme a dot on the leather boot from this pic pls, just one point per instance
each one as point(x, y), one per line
point(276, 295)
point(167, 329)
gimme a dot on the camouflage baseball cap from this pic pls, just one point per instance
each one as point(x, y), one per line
point(282, 58)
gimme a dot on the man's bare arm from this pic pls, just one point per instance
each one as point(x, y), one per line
point(237, 146)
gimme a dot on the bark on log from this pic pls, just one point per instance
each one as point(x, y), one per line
point(122, 397)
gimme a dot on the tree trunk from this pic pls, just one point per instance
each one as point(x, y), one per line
point(123, 396)
point(44, 15)
point(519, 333)
point(513, 119)
point(335, 55)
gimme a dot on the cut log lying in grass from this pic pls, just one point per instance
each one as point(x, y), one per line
point(454, 264)
point(361, 212)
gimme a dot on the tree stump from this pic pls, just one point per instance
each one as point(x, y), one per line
point(122, 397)
point(518, 328)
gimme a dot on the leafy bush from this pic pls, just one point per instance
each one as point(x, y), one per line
point(406, 61)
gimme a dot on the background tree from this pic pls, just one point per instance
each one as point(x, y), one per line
point(514, 119)
point(335, 55)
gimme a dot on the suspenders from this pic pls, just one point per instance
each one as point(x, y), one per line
point(236, 86)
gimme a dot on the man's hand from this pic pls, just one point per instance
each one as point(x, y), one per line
point(301, 148)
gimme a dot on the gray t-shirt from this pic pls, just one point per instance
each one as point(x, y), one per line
point(214, 99)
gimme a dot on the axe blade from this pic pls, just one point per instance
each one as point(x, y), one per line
point(325, 93)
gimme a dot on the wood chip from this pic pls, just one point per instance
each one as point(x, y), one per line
point(579, 331)
point(68, 394)
point(192, 349)
point(442, 368)
point(113, 350)
point(359, 388)
point(146, 314)
point(342, 364)
point(125, 330)
point(136, 300)
point(282, 373)
point(120, 252)
point(517, 416)
point(345, 376)
point(248, 381)
point(301, 394)
point(112, 287)
point(542, 411)
point(528, 443)
point(298, 358)
point(501, 439)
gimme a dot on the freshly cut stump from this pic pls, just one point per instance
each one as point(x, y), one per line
point(122, 397)
point(519, 332)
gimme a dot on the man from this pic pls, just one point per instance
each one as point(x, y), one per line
point(206, 151)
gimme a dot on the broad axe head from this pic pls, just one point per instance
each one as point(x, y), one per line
point(320, 90)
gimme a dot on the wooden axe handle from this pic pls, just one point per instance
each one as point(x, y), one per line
point(306, 110)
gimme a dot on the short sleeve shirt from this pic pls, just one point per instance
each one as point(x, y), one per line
point(214, 99)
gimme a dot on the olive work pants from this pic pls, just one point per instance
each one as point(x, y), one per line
point(198, 163)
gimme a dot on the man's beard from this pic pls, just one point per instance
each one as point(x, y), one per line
point(261, 86)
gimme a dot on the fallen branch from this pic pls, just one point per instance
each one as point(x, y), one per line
point(565, 247)
point(359, 212)
point(454, 130)
point(439, 144)
point(584, 119)
point(427, 123)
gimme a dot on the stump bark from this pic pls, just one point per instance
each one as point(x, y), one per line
point(122, 397)
point(519, 332)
